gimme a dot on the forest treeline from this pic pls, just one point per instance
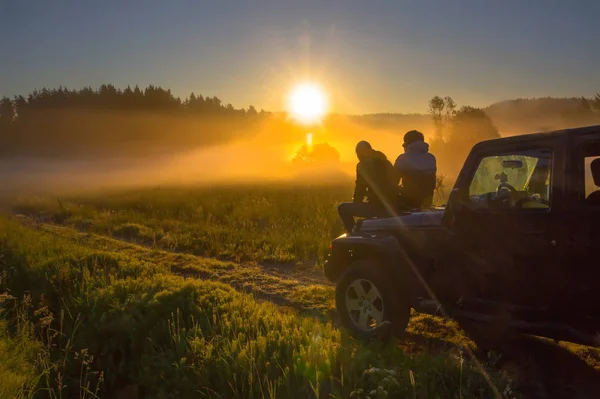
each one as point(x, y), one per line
point(108, 120)
point(523, 115)
point(516, 116)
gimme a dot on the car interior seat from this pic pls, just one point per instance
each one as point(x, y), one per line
point(594, 198)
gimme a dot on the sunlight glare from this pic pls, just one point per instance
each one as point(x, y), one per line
point(307, 103)
point(309, 140)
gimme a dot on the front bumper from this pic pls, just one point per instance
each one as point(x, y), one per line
point(335, 261)
point(329, 268)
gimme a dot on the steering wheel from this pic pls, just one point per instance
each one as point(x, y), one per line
point(504, 185)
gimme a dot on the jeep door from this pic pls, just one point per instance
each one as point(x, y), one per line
point(505, 221)
point(582, 230)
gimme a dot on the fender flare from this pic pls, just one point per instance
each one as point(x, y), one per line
point(395, 259)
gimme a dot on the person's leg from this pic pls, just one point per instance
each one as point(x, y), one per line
point(349, 210)
point(407, 203)
point(427, 203)
point(345, 210)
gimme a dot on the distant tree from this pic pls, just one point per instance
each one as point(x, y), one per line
point(450, 108)
point(586, 105)
point(138, 96)
point(20, 105)
point(471, 125)
point(585, 112)
point(436, 108)
point(457, 131)
point(128, 99)
point(6, 111)
point(321, 153)
point(596, 102)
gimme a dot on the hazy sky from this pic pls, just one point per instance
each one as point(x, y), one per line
point(372, 56)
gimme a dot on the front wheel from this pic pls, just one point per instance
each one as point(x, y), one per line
point(366, 304)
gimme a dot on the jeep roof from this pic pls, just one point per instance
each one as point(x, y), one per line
point(526, 138)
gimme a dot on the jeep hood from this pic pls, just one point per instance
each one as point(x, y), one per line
point(411, 220)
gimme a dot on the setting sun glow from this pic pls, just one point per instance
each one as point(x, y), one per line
point(307, 103)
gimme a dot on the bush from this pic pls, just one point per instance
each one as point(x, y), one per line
point(134, 232)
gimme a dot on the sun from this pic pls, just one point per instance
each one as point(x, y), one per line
point(307, 103)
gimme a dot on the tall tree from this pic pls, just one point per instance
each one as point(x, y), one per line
point(6, 111)
point(450, 107)
point(436, 108)
point(20, 105)
point(471, 125)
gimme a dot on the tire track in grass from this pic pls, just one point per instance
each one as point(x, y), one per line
point(289, 290)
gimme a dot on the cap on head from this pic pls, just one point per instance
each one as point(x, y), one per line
point(411, 136)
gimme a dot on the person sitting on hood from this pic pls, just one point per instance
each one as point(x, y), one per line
point(416, 169)
point(376, 181)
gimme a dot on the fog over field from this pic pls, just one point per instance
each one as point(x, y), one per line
point(266, 156)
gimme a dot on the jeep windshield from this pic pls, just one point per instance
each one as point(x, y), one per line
point(520, 179)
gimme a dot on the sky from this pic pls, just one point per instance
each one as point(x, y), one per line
point(369, 56)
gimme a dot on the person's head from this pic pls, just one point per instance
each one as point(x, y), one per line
point(363, 149)
point(412, 136)
point(595, 169)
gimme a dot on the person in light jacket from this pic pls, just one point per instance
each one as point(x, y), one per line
point(416, 170)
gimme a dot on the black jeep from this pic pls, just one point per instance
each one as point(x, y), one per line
point(515, 249)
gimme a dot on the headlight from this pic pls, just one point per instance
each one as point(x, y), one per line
point(342, 236)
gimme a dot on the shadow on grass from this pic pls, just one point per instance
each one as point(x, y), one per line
point(541, 368)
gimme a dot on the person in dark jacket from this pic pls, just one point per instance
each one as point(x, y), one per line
point(376, 188)
point(416, 169)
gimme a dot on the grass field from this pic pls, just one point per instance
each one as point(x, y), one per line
point(195, 292)
point(85, 315)
point(281, 224)
point(269, 223)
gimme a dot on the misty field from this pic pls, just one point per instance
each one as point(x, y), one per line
point(208, 292)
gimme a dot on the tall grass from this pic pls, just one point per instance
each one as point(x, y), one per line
point(266, 223)
point(19, 371)
point(111, 325)
point(286, 223)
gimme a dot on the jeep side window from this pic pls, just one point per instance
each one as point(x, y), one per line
point(515, 180)
point(591, 163)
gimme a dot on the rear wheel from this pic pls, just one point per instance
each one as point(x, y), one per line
point(366, 305)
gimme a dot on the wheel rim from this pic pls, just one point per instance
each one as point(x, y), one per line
point(364, 304)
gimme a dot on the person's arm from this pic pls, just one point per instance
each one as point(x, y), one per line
point(399, 168)
point(360, 188)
